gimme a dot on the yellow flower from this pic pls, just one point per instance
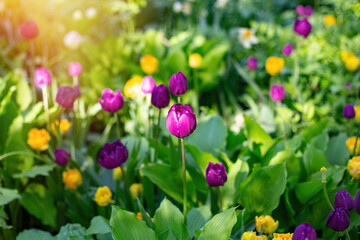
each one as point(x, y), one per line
point(63, 126)
point(139, 216)
point(72, 178)
point(248, 236)
point(38, 139)
point(357, 113)
point(352, 64)
point(133, 87)
point(103, 196)
point(195, 60)
point(329, 20)
point(267, 223)
point(118, 174)
point(149, 64)
point(136, 189)
point(282, 236)
point(346, 55)
point(274, 65)
point(350, 144)
point(262, 237)
point(353, 167)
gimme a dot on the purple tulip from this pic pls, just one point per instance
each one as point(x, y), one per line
point(349, 111)
point(66, 96)
point(61, 156)
point(304, 232)
point(42, 78)
point(302, 27)
point(307, 10)
point(181, 120)
point(75, 69)
point(277, 92)
point(147, 85)
point(338, 219)
point(215, 174)
point(287, 49)
point(252, 63)
point(357, 202)
point(160, 97)
point(110, 101)
point(300, 10)
point(349, 87)
point(113, 155)
point(178, 84)
point(343, 199)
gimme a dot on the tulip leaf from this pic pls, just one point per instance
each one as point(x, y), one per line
point(72, 231)
point(315, 130)
point(7, 195)
point(168, 218)
point(98, 225)
point(36, 171)
point(201, 158)
point(263, 183)
point(336, 152)
point(219, 227)
point(145, 215)
point(125, 226)
point(254, 132)
point(314, 159)
point(196, 219)
point(34, 234)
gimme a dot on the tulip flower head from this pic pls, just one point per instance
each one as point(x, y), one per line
point(282, 236)
point(277, 92)
point(273, 65)
point(349, 111)
point(304, 232)
point(103, 196)
point(215, 174)
point(38, 139)
point(61, 156)
point(302, 27)
point(42, 78)
point(248, 236)
point(195, 60)
point(343, 199)
point(181, 120)
point(149, 64)
point(329, 20)
point(178, 84)
point(304, 10)
point(66, 96)
point(133, 87)
point(252, 63)
point(72, 178)
point(357, 113)
point(160, 97)
point(118, 173)
point(287, 49)
point(357, 202)
point(29, 29)
point(353, 167)
point(267, 223)
point(350, 144)
point(338, 219)
point(63, 126)
point(148, 84)
point(111, 101)
point(113, 155)
point(136, 190)
point(75, 69)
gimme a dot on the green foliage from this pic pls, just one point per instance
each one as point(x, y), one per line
point(34, 234)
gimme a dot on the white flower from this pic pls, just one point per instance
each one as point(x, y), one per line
point(77, 15)
point(238, 123)
point(221, 3)
point(177, 7)
point(247, 37)
point(73, 40)
point(90, 13)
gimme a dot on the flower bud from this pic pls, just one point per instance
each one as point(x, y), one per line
point(75, 69)
point(72, 178)
point(103, 196)
point(353, 167)
point(304, 232)
point(147, 85)
point(136, 189)
point(338, 219)
point(277, 92)
point(252, 63)
point(66, 96)
point(149, 64)
point(357, 202)
point(132, 87)
point(343, 199)
point(273, 65)
point(287, 49)
point(178, 84)
point(215, 174)
point(307, 10)
point(61, 156)
point(181, 120)
point(42, 78)
point(38, 139)
point(267, 223)
point(248, 236)
point(110, 101)
point(160, 97)
point(113, 155)
point(29, 29)
point(349, 111)
point(195, 60)
point(329, 20)
point(302, 27)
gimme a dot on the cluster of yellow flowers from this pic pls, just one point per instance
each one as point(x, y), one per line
point(266, 225)
point(103, 196)
point(38, 139)
point(273, 65)
point(63, 126)
point(350, 60)
point(72, 178)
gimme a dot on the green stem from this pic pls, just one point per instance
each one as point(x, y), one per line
point(32, 71)
point(149, 115)
point(184, 178)
point(46, 107)
point(118, 130)
point(197, 91)
point(127, 188)
point(336, 236)
point(157, 135)
point(219, 196)
point(179, 99)
point(327, 196)
point(357, 136)
point(347, 235)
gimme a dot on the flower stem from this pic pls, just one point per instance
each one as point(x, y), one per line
point(184, 178)
point(197, 91)
point(179, 99)
point(327, 196)
point(336, 236)
point(127, 188)
point(219, 195)
point(149, 116)
point(32, 71)
point(75, 82)
point(46, 106)
point(347, 235)
point(157, 135)
point(357, 137)
point(118, 130)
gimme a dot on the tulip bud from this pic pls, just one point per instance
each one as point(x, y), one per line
point(343, 199)
point(147, 85)
point(357, 202)
point(66, 96)
point(160, 97)
point(215, 174)
point(42, 78)
point(181, 120)
point(277, 92)
point(113, 155)
point(302, 27)
point(110, 101)
point(349, 111)
point(195, 60)
point(287, 49)
point(61, 157)
point(338, 219)
point(353, 167)
point(29, 29)
point(273, 65)
point(307, 10)
point(75, 69)
point(304, 232)
point(178, 84)
point(252, 63)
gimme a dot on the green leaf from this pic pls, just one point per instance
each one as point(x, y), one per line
point(168, 218)
point(126, 226)
point(7, 195)
point(23, 94)
point(321, 141)
point(315, 130)
point(72, 231)
point(144, 215)
point(201, 158)
point(34, 234)
point(196, 219)
point(39, 202)
point(306, 190)
point(220, 226)
point(98, 225)
point(336, 152)
point(263, 183)
point(314, 159)
point(210, 134)
point(255, 133)
point(36, 171)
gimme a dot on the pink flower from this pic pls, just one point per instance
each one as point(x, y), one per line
point(75, 69)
